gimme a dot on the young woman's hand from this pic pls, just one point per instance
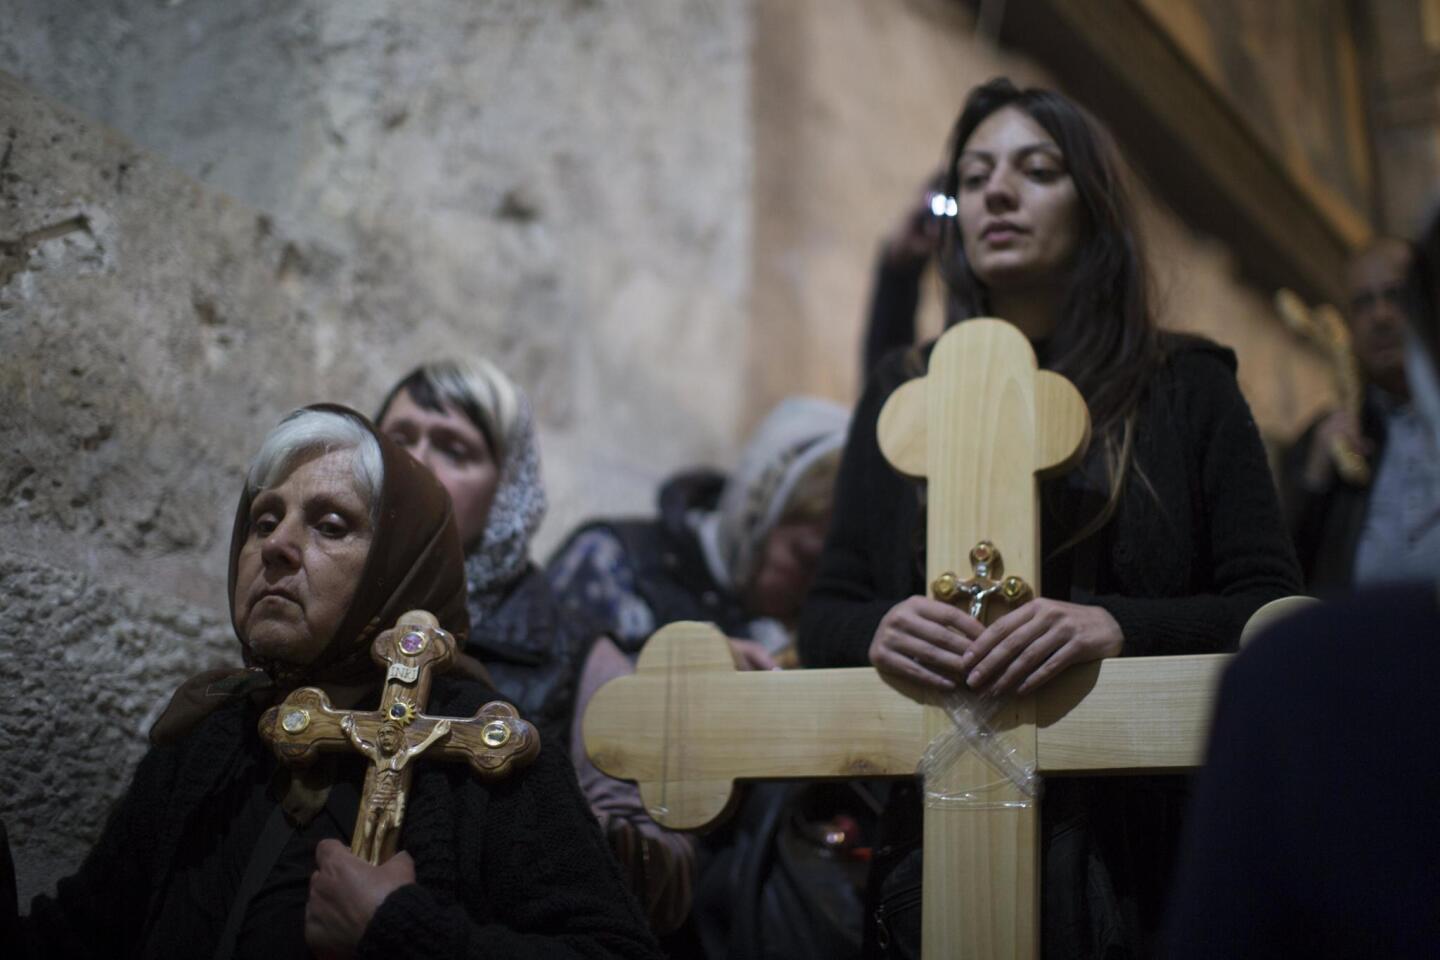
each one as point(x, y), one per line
point(1033, 643)
point(923, 641)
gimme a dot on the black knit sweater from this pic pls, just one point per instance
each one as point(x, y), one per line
point(514, 869)
point(1180, 569)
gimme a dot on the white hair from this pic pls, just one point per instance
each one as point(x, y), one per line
point(306, 431)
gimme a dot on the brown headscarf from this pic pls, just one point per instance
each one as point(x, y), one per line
point(415, 563)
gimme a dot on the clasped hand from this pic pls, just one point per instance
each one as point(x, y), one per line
point(942, 647)
point(345, 892)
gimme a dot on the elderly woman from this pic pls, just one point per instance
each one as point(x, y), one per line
point(216, 850)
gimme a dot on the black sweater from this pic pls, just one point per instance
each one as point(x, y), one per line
point(1180, 570)
point(512, 869)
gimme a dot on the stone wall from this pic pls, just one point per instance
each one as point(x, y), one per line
point(562, 185)
point(346, 190)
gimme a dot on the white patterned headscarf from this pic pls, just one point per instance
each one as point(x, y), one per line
point(503, 552)
point(797, 436)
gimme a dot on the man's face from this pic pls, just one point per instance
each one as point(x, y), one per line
point(1377, 315)
point(788, 561)
point(302, 559)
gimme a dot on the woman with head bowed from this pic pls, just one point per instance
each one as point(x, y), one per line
point(1163, 541)
point(217, 850)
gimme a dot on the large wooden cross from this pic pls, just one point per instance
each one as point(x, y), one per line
point(980, 427)
point(494, 741)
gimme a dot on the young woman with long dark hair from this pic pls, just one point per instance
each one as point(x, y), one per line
point(1164, 540)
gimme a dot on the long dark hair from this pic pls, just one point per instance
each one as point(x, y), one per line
point(1105, 340)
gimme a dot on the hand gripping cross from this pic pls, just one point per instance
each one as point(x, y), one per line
point(494, 742)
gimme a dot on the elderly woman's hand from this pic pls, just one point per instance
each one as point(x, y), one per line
point(923, 641)
point(1031, 644)
point(345, 892)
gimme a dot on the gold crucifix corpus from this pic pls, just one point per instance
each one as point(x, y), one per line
point(494, 742)
point(687, 725)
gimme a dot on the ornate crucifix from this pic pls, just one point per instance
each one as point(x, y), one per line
point(494, 741)
point(980, 428)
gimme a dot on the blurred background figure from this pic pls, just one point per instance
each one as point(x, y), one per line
point(737, 550)
point(782, 878)
point(1388, 529)
point(1313, 830)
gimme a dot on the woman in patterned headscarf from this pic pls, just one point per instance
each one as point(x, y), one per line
point(472, 426)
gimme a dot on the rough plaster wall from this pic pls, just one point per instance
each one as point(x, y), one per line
point(564, 186)
point(1283, 378)
point(81, 720)
point(854, 102)
point(138, 358)
point(561, 184)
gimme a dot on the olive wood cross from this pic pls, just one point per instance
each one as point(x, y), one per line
point(980, 427)
point(494, 742)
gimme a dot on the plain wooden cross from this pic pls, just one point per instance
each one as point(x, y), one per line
point(494, 741)
point(687, 724)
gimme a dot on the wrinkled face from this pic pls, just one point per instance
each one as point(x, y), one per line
point(301, 560)
point(1019, 213)
point(787, 564)
point(455, 451)
point(1376, 287)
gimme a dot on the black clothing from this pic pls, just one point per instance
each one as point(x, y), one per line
point(663, 555)
point(763, 888)
point(1180, 571)
point(1313, 831)
point(514, 869)
point(1195, 547)
point(534, 651)
point(894, 300)
point(1326, 524)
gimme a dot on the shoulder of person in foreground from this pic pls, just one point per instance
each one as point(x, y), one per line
point(1314, 811)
